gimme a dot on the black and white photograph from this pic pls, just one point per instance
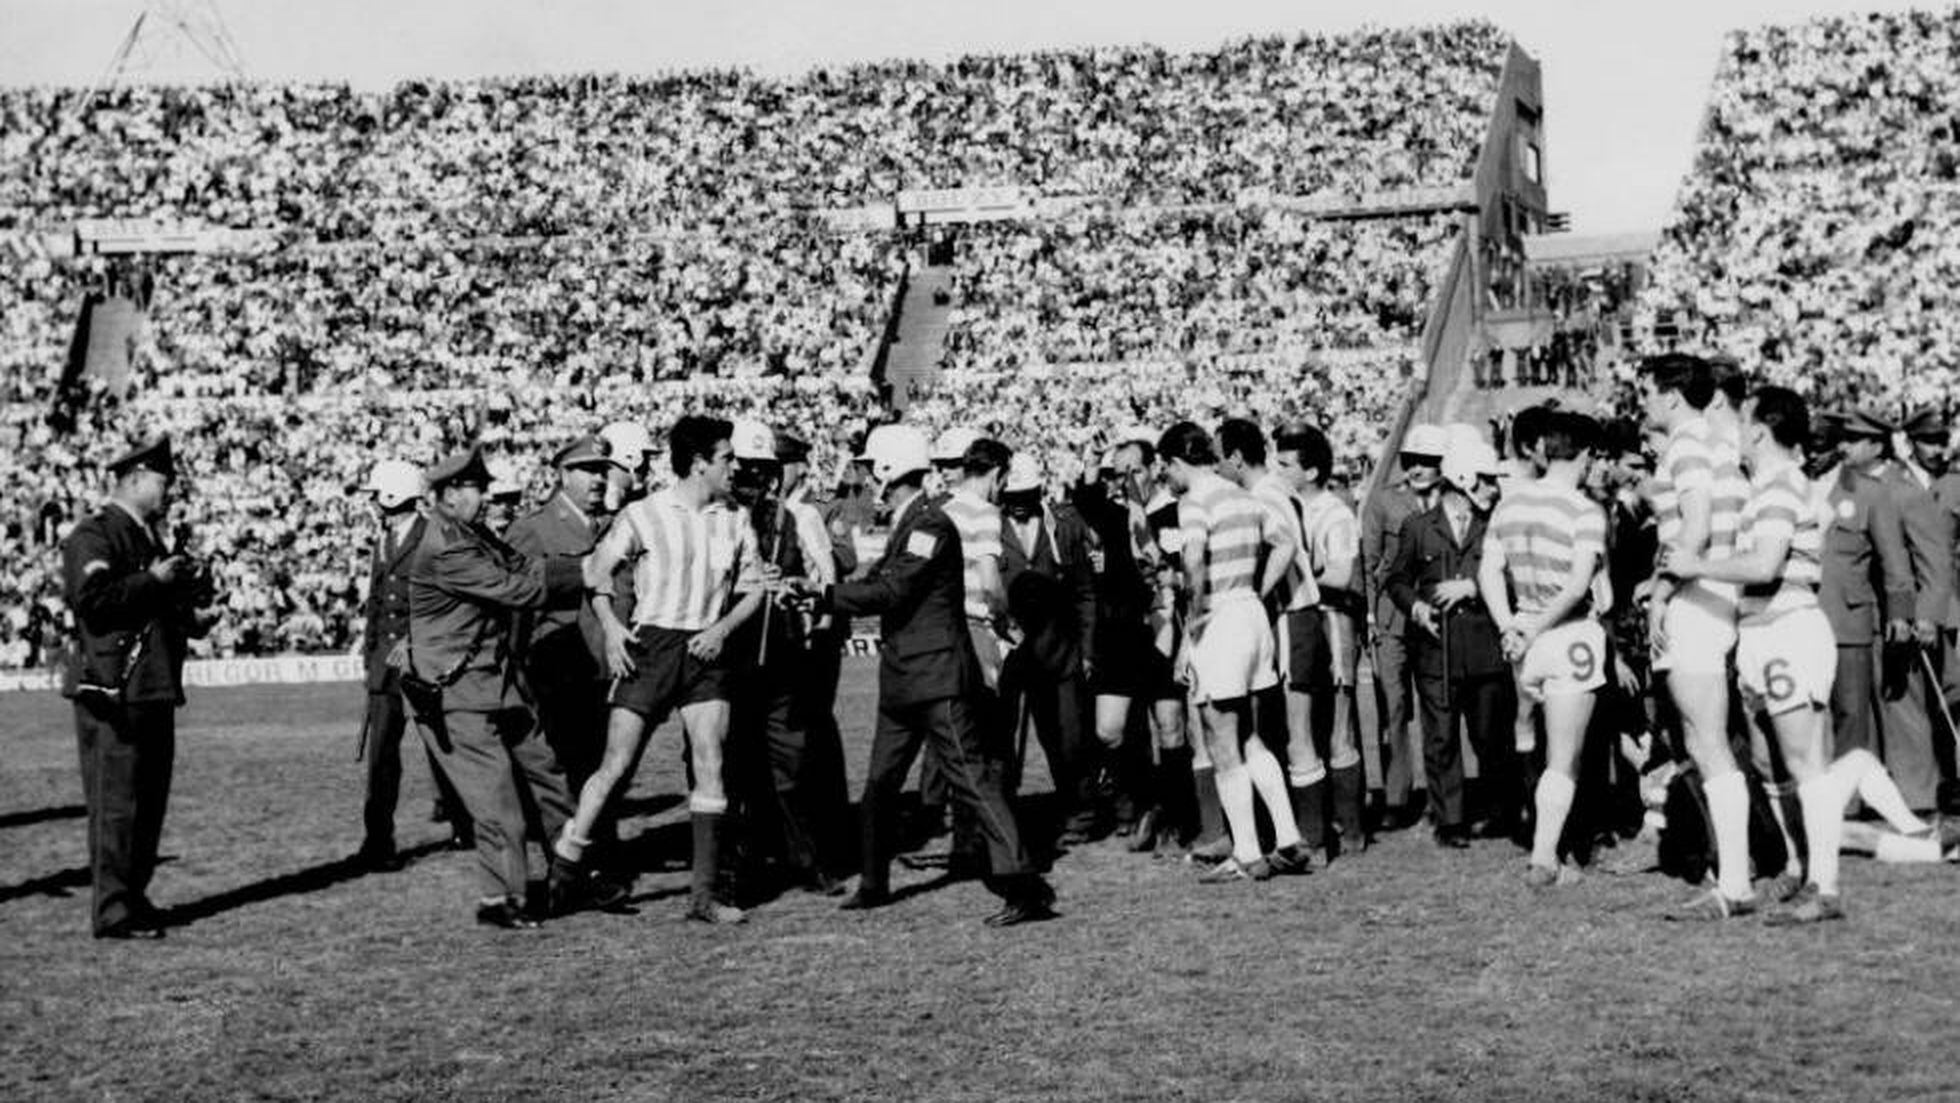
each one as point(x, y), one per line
point(1072, 550)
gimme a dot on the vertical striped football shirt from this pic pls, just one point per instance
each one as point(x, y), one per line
point(1333, 534)
point(978, 522)
point(1541, 530)
point(687, 561)
point(1697, 459)
point(1286, 522)
point(1781, 506)
point(1229, 526)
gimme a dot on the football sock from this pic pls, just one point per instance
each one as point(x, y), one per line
point(1860, 772)
point(1235, 797)
point(1211, 813)
point(1779, 806)
point(1903, 851)
point(1728, 814)
point(707, 852)
point(1823, 827)
point(1310, 814)
point(1346, 783)
point(1263, 767)
point(1553, 802)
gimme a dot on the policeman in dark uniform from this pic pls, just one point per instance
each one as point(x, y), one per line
point(397, 489)
point(135, 603)
point(563, 650)
point(1866, 582)
point(928, 684)
point(1932, 465)
point(788, 754)
point(461, 678)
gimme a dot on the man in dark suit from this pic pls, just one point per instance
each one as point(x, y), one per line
point(927, 683)
point(1454, 647)
point(1050, 582)
point(397, 489)
point(1932, 464)
point(470, 703)
point(1866, 575)
point(135, 604)
point(563, 650)
point(1381, 534)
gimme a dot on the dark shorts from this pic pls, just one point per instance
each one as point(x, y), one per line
point(665, 677)
point(1309, 653)
point(1128, 664)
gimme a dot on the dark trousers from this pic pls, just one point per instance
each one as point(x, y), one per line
point(1392, 707)
point(1854, 703)
point(127, 753)
point(973, 782)
point(1906, 728)
point(1483, 703)
point(387, 720)
point(791, 779)
point(573, 717)
point(505, 774)
point(1062, 715)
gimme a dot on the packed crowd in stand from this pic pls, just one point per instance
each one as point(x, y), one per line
point(539, 156)
point(1818, 234)
point(1189, 285)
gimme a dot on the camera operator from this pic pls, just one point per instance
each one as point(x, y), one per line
point(135, 604)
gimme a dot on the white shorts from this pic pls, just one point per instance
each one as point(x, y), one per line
point(1564, 660)
point(1700, 629)
point(1233, 656)
point(1788, 663)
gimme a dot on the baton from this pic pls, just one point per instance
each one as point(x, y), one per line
point(1938, 693)
point(775, 552)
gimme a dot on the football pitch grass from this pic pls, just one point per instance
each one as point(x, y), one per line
point(1406, 973)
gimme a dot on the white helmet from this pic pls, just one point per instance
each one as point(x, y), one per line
point(395, 482)
point(952, 444)
point(627, 443)
point(753, 440)
point(1425, 440)
point(1023, 474)
point(896, 450)
point(1467, 460)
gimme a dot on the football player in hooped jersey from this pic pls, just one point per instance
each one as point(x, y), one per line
point(1548, 538)
point(1697, 508)
point(1786, 656)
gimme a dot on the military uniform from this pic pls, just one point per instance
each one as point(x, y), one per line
point(562, 651)
point(1866, 580)
point(464, 586)
point(1906, 717)
point(126, 681)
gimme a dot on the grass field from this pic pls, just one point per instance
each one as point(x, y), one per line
point(1408, 973)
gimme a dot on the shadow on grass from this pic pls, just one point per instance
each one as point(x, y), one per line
point(43, 815)
point(300, 882)
point(54, 884)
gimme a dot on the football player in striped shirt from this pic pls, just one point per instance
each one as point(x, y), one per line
point(1548, 539)
point(1232, 560)
point(697, 577)
point(1692, 622)
point(1786, 656)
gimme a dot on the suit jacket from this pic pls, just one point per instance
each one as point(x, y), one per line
point(132, 627)
point(1867, 574)
point(1929, 545)
point(1381, 537)
point(1051, 589)
point(464, 587)
point(917, 591)
point(1426, 553)
point(1946, 495)
point(387, 607)
point(559, 647)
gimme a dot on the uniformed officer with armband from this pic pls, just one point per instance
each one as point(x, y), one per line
point(135, 603)
point(463, 682)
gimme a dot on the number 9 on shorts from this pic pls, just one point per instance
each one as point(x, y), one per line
point(1565, 660)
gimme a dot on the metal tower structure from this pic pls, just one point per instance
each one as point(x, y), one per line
point(172, 42)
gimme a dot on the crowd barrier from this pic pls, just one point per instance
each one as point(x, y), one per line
point(281, 670)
